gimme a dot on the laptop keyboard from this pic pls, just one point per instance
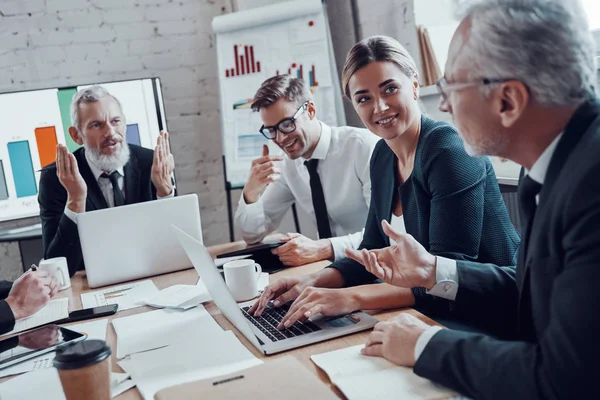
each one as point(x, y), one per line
point(270, 318)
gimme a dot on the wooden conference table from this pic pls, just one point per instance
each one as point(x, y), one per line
point(79, 285)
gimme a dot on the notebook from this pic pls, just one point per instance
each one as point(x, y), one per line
point(283, 378)
point(374, 378)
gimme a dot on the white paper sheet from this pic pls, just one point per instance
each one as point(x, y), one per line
point(374, 378)
point(126, 296)
point(159, 328)
point(93, 330)
point(45, 384)
point(203, 356)
point(53, 311)
point(178, 296)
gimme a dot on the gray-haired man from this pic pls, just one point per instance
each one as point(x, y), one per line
point(519, 83)
point(105, 172)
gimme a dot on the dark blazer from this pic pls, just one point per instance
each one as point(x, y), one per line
point(7, 319)
point(59, 234)
point(550, 304)
point(451, 205)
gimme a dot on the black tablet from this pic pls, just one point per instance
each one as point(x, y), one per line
point(261, 254)
point(251, 250)
point(36, 342)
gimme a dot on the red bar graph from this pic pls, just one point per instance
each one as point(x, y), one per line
point(245, 61)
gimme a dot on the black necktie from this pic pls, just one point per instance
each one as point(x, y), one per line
point(528, 189)
point(114, 180)
point(318, 199)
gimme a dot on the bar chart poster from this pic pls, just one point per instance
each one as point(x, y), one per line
point(252, 47)
point(32, 127)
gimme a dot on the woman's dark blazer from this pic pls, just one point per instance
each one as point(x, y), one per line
point(451, 205)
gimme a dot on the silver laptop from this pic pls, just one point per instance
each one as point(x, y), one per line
point(135, 241)
point(262, 332)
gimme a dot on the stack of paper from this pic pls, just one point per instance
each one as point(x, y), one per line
point(374, 378)
point(93, 330)
point(178, 296)
point(45, 384)
point(126, 296)
point(53, 311)
point(203, 355)
point(160, 328)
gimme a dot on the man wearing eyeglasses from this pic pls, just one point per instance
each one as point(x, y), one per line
point(521, 84)
point(325, 171)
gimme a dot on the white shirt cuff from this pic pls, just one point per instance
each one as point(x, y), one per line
point(72, 215)
point(251, 218)
point(172, 194)
point(339, 246)
point(424, 339)
point(446, 276)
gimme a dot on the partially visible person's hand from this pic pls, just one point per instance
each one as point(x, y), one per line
point(30, 292)
point(282, 291)
point(313, 301)
point(395, 340)
point(69, 177)
point(300, 250)
point(40, 338)
point(162, 166)
point(406, 264)
point(265, 170)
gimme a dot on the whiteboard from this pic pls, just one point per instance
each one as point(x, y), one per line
point(254, 45)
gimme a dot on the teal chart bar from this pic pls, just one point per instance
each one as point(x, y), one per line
point(22, 168)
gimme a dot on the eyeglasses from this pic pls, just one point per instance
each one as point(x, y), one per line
point(286, 125)
point(444, 87)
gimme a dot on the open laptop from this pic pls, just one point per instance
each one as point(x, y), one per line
point(135, 241)
point(262, 332)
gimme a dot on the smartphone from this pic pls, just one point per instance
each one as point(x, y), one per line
point(89, 313)
point(33, 343)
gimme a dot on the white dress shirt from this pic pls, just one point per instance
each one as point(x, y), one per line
point(106, 188)
point(344, 155)
point(397, 224)
point(446, 271)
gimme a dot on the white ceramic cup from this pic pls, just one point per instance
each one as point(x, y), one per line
point(59, 269)
point(242, 278)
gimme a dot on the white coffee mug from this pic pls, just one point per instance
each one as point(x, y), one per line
point(242, 278)
point(59, 269)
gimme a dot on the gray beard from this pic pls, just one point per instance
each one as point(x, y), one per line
point(108, 163)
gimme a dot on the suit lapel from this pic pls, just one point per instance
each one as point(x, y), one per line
point(95, 198)
point(132, 180)
point(574, 131)
point(387, 188)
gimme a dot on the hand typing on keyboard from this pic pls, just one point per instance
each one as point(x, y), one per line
point(281, 292)
point(313, 301)
point(270, 320)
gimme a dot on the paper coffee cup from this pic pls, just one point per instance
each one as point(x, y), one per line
point(84, 370)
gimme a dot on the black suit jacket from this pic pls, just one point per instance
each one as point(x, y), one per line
point(7, 319)
point(59, 234)
point(550, 306)
point(451, 205)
